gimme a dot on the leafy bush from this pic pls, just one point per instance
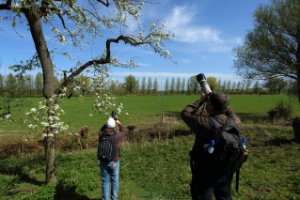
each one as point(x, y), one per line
point(280, 112)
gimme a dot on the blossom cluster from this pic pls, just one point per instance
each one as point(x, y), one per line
point(6, 117)
point(104, 100)
point(46, 117)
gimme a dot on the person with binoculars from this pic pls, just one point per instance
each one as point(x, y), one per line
point(208, 178)
point(108, 154)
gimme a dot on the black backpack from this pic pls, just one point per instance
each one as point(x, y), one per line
point(107, 147)
point(229, 148)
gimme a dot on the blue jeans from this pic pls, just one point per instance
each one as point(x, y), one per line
point(110, 173)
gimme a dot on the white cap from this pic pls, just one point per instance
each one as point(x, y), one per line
point(111, 123)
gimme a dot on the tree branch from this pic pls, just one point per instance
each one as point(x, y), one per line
point(101, 61)
point(62, 20)
point(78, 71)
point(104, 3)
point(27, 65)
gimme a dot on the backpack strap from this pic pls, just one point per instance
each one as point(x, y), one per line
point(230, 121)
point(216, 124)
point(237, 180)
point(229, 127)
point(217, 129)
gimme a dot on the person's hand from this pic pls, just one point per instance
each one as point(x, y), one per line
point(118, 122)
point(197, 104)
point(205, 96)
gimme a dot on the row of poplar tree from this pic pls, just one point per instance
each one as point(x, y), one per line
point(178, 85)
point(31, 86)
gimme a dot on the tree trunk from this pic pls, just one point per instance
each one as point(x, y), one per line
point(297, 64)
point(33, 16)
point(296, 129)
point(298, 81)
point(50, 159)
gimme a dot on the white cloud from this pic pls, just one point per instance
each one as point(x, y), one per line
point(180, 22)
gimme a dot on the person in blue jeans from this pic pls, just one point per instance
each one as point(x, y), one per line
point(110, 167)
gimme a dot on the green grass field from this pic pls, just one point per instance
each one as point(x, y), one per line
point(143, 110)
point(157, 169)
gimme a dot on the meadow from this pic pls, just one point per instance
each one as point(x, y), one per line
point(156, 169)
point(142, 110)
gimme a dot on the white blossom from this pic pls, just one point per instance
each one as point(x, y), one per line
point(50, 135)
point(77, 88)
point(166, 53)
point(62, 39)
point(119, 110)
point(64, 90)
point(50, 118)
point(56, 107)
point(45, 124)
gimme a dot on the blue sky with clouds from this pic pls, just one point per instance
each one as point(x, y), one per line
point(206, 31)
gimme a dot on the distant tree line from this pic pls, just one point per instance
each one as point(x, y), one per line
point(31, 86)
point(170, 86)
point(21, 86)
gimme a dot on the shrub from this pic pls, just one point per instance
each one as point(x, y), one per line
point(280, 112)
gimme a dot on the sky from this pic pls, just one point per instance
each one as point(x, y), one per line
point(206, 32)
